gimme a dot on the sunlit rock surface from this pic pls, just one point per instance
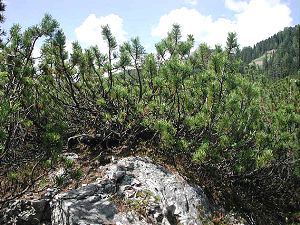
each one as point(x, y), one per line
point(132, 190)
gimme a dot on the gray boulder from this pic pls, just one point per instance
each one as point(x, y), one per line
point(25, 212)
point(133, 191)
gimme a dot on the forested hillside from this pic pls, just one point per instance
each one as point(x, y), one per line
point(285, 60)
point(2, 9)
point(236, 134)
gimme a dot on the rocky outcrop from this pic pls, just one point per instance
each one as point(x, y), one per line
point(133, 190)
point(22, 212)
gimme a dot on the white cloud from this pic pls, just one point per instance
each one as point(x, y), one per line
point(253, 22)
point(69, 46)
point(193, 22)
point(89, 32)
point(235, 5)
point(36, 53)
point(191, 2)
point(261, 19)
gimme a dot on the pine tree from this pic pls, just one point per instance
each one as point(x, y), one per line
point(137, 53)
point(2, 18)
point(112, 45)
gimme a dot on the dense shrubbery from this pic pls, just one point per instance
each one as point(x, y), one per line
point(239, 132)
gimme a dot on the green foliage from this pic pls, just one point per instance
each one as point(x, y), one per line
point(69, 163)
point(48, 163)
point(180, 102)
point(12, 176)
point(166, 131)
point(77, 174)
point(201, 152)
point(265, 158)
point(60, 180)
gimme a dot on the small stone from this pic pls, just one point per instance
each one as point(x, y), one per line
point(70, 156)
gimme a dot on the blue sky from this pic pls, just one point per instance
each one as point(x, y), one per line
point(208, 20)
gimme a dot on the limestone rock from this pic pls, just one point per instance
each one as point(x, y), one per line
point(134, 191)
point(23, 212)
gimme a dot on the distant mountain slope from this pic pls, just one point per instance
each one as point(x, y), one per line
point(284, 59)
point(261, 60)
